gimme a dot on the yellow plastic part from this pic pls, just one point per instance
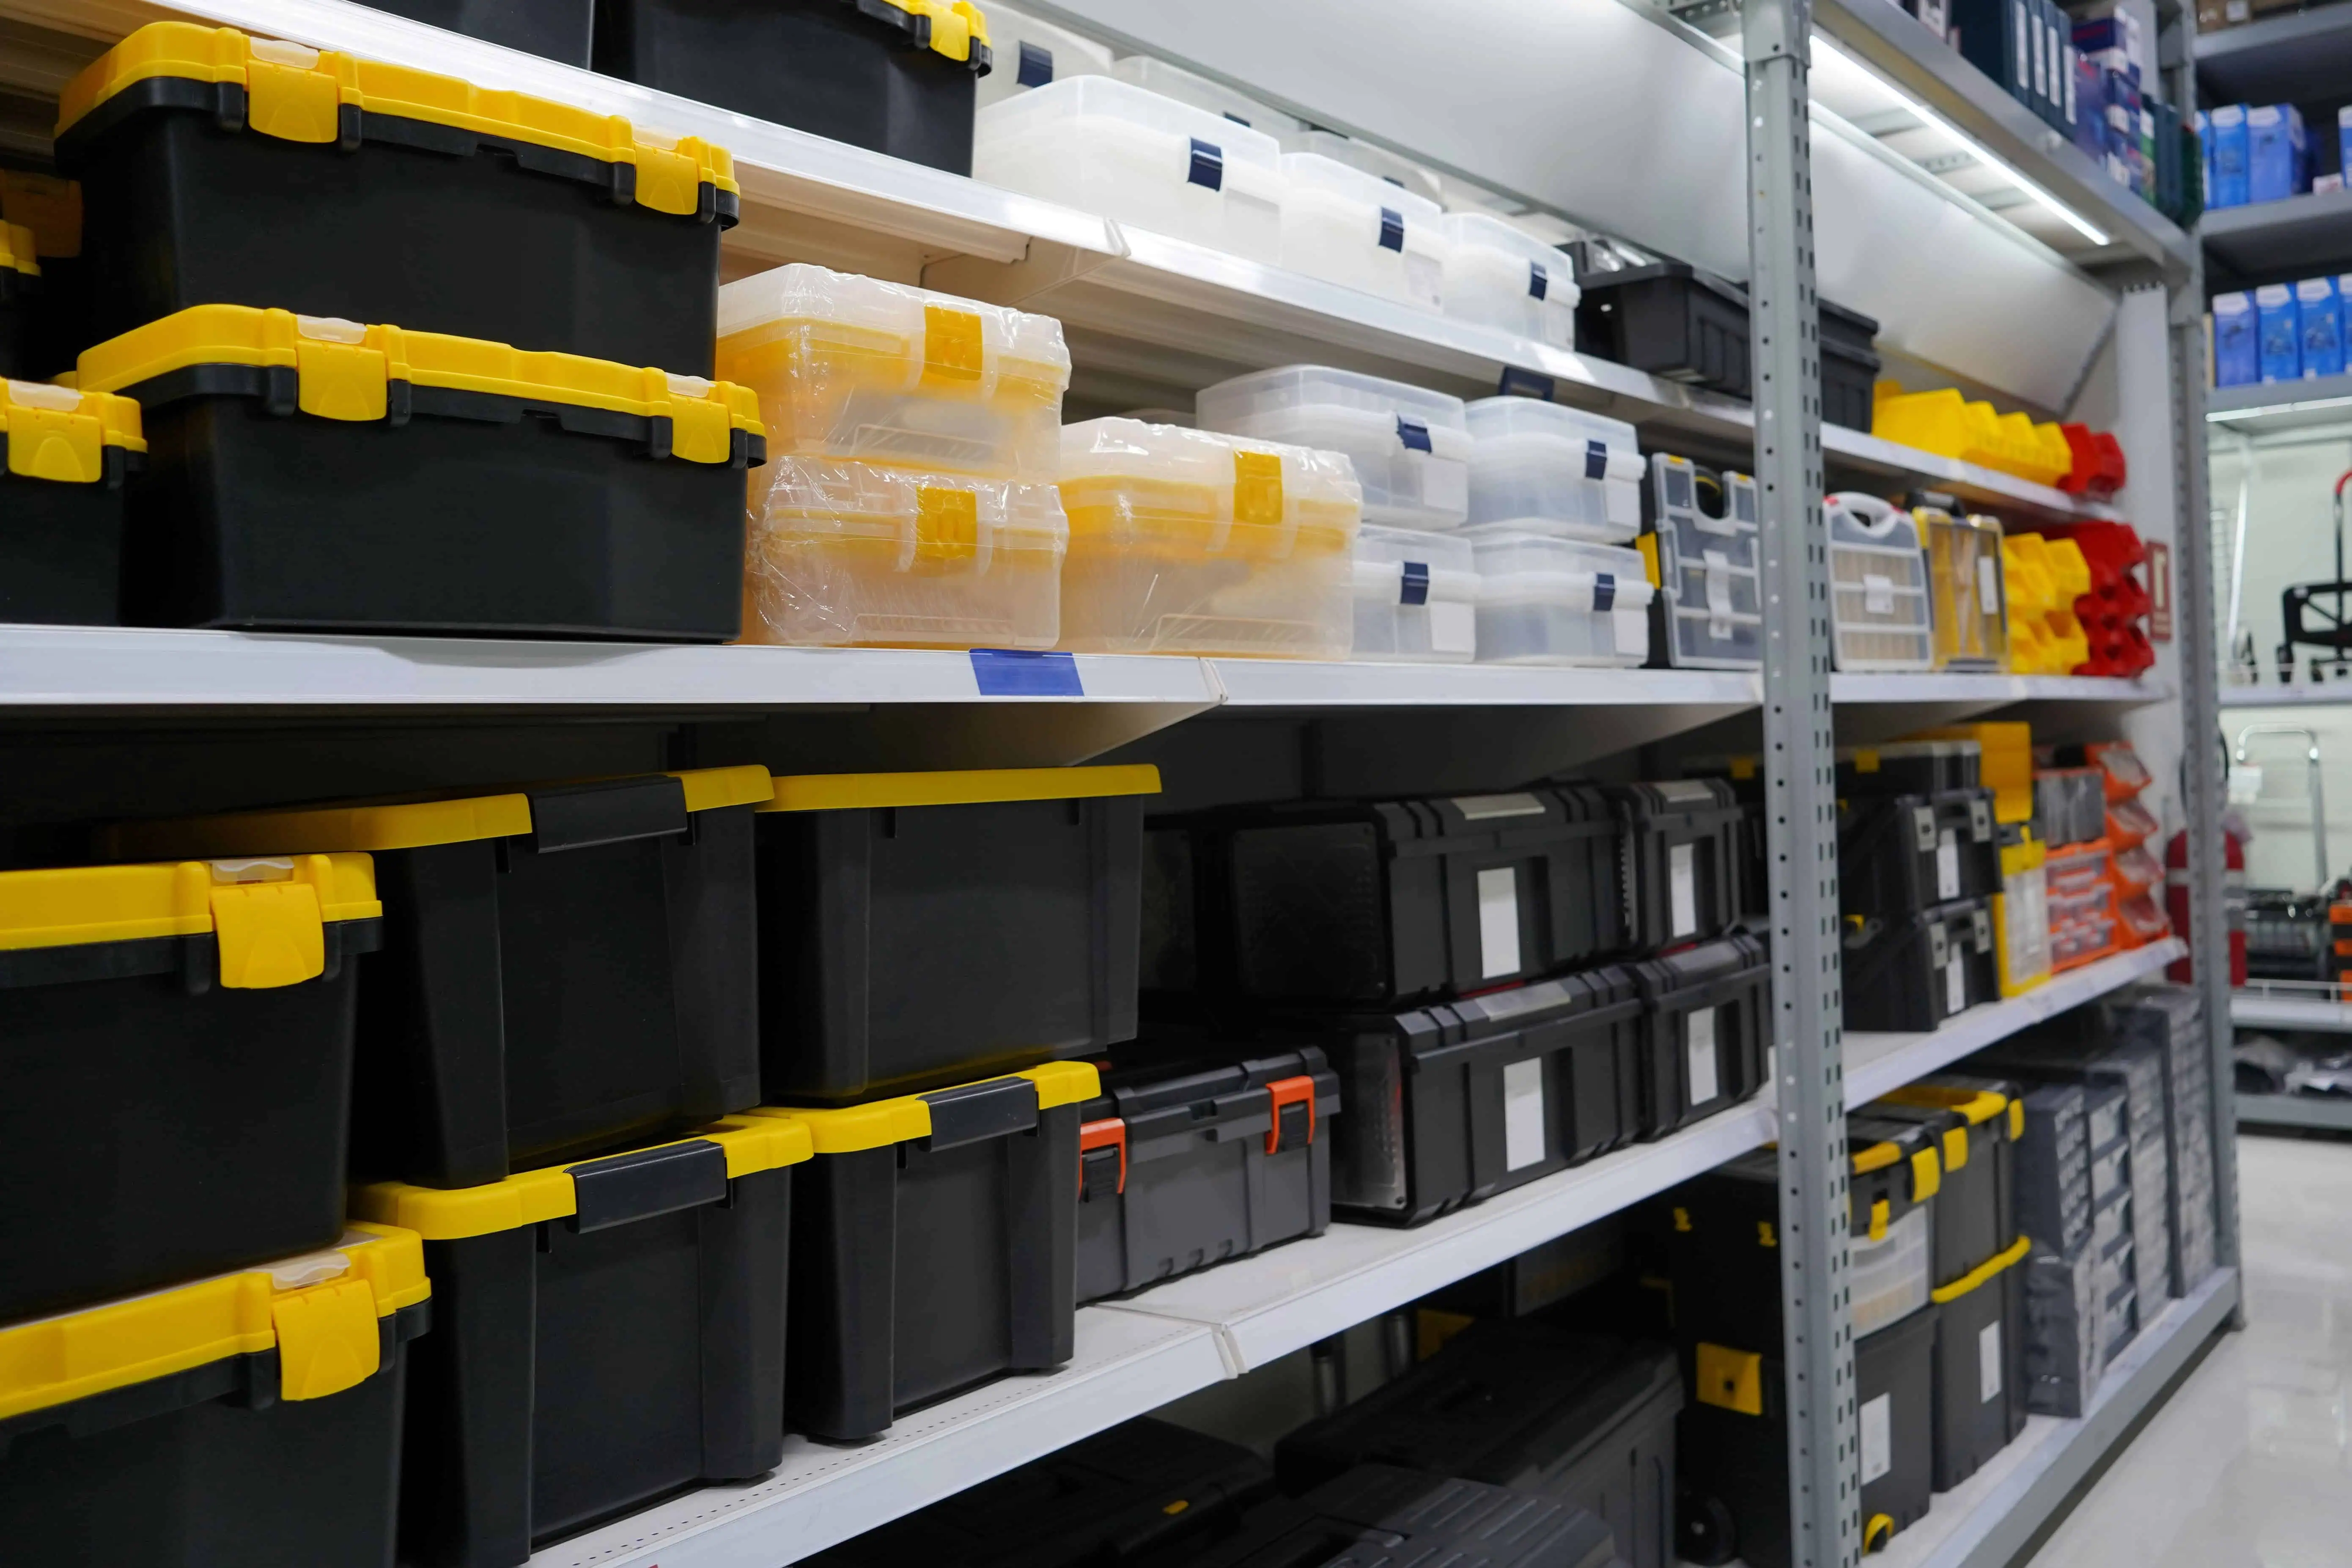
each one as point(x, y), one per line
point(271, 934)
point(1730, 1379)
point(19, 249)
point(1878, 1210)
point(753, 1144)
point(2026, 455)
point(2016, 1120)
point(1865, 759)
point(956, 24)
point(343, 370)
point(1989, 1269)
point(315, 1323)
point(264, 910)
point(852, 792)
point(1877, 1532)
point(296, 94)
point(57, 432)
point(1956, 1149)
point(2005, 748)
point(883, 1123)
point(1926, 1176)
point(50, 206)
point(1648, 544)
point(2057, 452)
point(1877, 1157)
point(1979, 1106)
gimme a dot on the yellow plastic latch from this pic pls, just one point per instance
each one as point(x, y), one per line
point(1258, 488)
point(947, 524)
point(1926, 1176)
point(1764, 1236)
point(1431, 1328)
point(699, 423)
point(1730, 1379)
point(1743, 768)
point(1172, 1509)
point(668, 180)
point(1648, 545)
point(1956, 1149)
point(2016, 1120)
point(1865, 760)
point(50, 436)
point(271, 934)
point(326, 1338)
point(340, 377)
point(1878, 1220)
point(291, 100)
point(1682, 1219)
point(1877, 1532)
point(951, 346)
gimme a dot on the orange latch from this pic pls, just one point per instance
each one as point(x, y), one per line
point(1285, 1091)
point(1108, 1133)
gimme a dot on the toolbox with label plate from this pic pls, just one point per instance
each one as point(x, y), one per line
point(1907, 972)
point(1702, 1032)
point(1898, 853)
point(1684, 865)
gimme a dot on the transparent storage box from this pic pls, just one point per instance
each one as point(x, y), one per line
point(1416, 596)
point(1410, 447)
point(1971, 614)
point(841, 554)
point(1355, 229)
point(1104, 145)
point(1186, 542)
point(1889, 1278)
point(1027, 52)
point(1879, 586)
point(1391, 168)
point(1185, 86)
point(1500, 276)
point(2021, 914)
point(1710, 616)
point(1549, 469)
point(853, 367)
point(1547, 600)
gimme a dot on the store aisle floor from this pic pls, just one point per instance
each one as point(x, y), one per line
point(2249, 1465)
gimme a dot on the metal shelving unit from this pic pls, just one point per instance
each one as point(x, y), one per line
point(2287, 58)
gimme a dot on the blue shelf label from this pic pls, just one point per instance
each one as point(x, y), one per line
point(1009, 672)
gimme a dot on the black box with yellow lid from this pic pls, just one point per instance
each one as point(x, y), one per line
point(1908, 767)
point(896, 76)
point(314, 474)
point(1384, 1516)
point(568, 968)
point(51, 207)
point(178, 1057)
point(1976, 1122)
point(63, 498)
point(1980, 1385)
point(252, 1418)
point(554, 29)
point(921, 930)
point(1907, 972)
point(604, 1332)
point(220, 169)
point(1703, 1030)
point(24, 301)
point(934, 1239)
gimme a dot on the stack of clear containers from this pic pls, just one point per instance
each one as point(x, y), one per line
point(913, 439)
point(1549, 469)
point(1157, 76)
point(1416, 596)
point(1391, 168)
point(1028, 52)
point(1410, 448)
point(1878, 587)
point(1703, 532)
point(1356, 229)
point(1971, 614)
point(1543, 599)
point(1501, 277)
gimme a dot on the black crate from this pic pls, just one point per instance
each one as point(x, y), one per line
point(918, 930)
point(1186, 1164)
point(1703, 1030)
point(1849, 367)
point(61, 546)
point(24, 301)
point(1909, 974)
point(1670, 318)
point(1976, 1122)
point(200, 187)
point(877, 73)
point(1909, 767)
point(1378, 1515)
point(54, 332)
point(1898, 853)
point(1684, 862)
point(1980, 1380)
point(554, 29)
point(178, 1108)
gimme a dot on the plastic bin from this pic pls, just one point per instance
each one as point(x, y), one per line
point(895, 76)
point(203, 185)
point(1220, 102)
point(1878, 587)
point(554, 29)
point(616, 511)
point(1450, 1104)
point(251, 1418)
point(1500, 276)
point(1026, 52)
point(1898, 853)
point(567, 969)
point(1545, 468)
point(1544, 600)
point(1683, 858)
point(70, 456)
point(1411, 448)
point(2129, 822)
point(1188, 543)
point(1976, 1122)
point(1702, 1032)
point(23, 301)
point(1377, 1515)
point(1584, 1420)
point(2070, 806)
point(1669, 319)
point(1981, 1382)
point(1700, 535)
point(1849, 366)
point(54, 331)
point(1416, 596)
point(649, 1283)
point(2021, 913)
point(1104, 145)
point(1909, 971)
point(2052, 1159)
point(1971, 616)
point(1911, 767)
point(1347, 226)
point(1390, 169)
point(1185, 1165)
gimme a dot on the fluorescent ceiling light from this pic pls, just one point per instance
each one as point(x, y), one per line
point(1968, 144)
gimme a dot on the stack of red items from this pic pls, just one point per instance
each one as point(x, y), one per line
point(2134, 875)
point(2115, 612)
point(2098, 469)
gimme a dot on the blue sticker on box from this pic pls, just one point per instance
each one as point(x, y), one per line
point(1415, 584)
point(1012, 672)
point(1208, 165)
point(1539, 285)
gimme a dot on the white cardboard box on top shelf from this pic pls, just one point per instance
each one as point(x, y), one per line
point(1410, 447)
point(1106, 146)
point(1154, 75)
point(1355, 229)
point(1547, 600)
point(1416, 596)
point(1498, 274)
point(1378, 162)
point(1549, 469)
point(1878, 587)
point(1029, 53)
point(1708, 612)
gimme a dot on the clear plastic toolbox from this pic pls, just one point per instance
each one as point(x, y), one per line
point(1546, 600)
point(1410, 448)
point(1105, 145)
point(1186, 542)
point(1701, 533)
point(1971, 613)
point(842, 554)
point(1029, 53)
point(1549, 468)
point(1879, 586)
point(1157, 76)
point(1499, 276)
point(1388, 167)
point(1356, 229)
point(1416, 596)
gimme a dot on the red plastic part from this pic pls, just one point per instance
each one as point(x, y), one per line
point(2099, 470)
point(2176, 902)
point(1108, 1134)
point(1285, 1091)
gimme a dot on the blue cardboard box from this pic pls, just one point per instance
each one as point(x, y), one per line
point(2344, 139)
point(2278, 158)
point(2090, 104)
point(2280, 333)
point(2237, 351)
point(2227, 188)
point(2319, 324)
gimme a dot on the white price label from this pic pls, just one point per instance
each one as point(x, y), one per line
point(1956, 986)
point(1499, 922)
point(1947, 864)
point(1523, 1114)
point(1877, 1437)
point(1453, 628)
point(1877, 593)
point(1699, 1049)
point(1445, 482)
point(1632, 633)
point(1988, 584)
point(1682, 890)
point(1989, 1363)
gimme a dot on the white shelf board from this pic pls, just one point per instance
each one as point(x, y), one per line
point(1988, 1517)
point(1981, 486)
point(1992, 689)
point(1878, 1063)
point(1284, 683)
point(2252, 1011)
point(2305, 695)
point(2310, 1112)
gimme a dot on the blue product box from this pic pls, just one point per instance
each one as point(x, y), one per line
point(2227, 157)
point(2204, 124)
point(2344, 139)
point(2237, 348)
point(2320, 325)
point(2278, 158)
point(2089, 100)
point(2280, 333)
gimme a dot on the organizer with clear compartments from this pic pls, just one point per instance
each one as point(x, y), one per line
point(1356, 229)
point(1501, 277)
point(1547, 600)
point(1702, 540)
point(1416, 596)
point(1879, 586)
point(1971, 612)
point(1410, 448)
point(1549, 468)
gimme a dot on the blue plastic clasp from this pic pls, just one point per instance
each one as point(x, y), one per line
point(1539, 284)
point(1391, 229)
point(1208, 165)
point(1037, 64)
point(1414, 588)
point(1411, 433)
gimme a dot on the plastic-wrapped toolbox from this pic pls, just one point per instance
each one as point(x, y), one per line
point(1584, 1419)
point(179, 1062)
point(1897, 853)
point(1144, 1494)
point(566, 970)
point(1498, 275)
point(1972, 611)
point(1184, 1164)
point(968, 1196)
point(1704, 1031)
point(1544, 600)
point(2070, 805)
point(1911, 767)
point(1879, 604)
point(2052, 1158)
point(1349, 226)
point(1352, 902)
point(1417, 596)
point(1683, 857)
point(1545, 468)
point(1014, 893)
point(218, 169)
point(1410, 447)
point(1026, 51)
point(554, 29)
point(649, 1283)
point(894, 76)
point(2172, 1018)
point(248, 1417)
point(1907, 973)
point(474, 487)
point(1699, 534)
point(1378, 1515)
point(2064, 1320)
point(70, 456)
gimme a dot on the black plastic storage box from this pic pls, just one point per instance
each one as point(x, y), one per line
point(247, 1418)
point(1980, 1382)
point(1703, 1031)
point(178, 1057)
point(70, 455)
point(1849, 367)
point(933, 1245)
point(1456, 1102)
point(1140, 1495)
point(918, 930)
point(1186, 1164)
point(1668, 318)
point(1907, 972)
point(1584, 1419)
point(1683, 857)
point(1378, 1516)
point(314, 475)
point(568, 969)
point(51, 209)
point(554, 29)
point(1976, 1122)
point(1909, 767)
point(23, 301)
point(222, 170)
point(1900, 853)
point(896, 76)
point(604, 1332)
